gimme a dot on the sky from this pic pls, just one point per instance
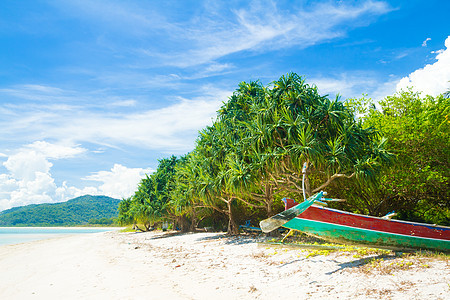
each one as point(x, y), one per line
point(93, 93)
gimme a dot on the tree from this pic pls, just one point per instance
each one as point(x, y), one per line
point(185, 201)
point(416, 185)
point(247, 173)
point(125, 216)
point(264, 141)
point(263, 137)
point(150, 203)
point(213, 149)
point(292, 127)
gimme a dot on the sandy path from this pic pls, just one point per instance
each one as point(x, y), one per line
point(205, 266)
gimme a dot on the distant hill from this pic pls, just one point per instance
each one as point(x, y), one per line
point(84, 210)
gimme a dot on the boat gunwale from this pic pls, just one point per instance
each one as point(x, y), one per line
point(368, 229)
point(380, 218)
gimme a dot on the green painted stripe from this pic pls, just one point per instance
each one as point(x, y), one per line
point(347, 234)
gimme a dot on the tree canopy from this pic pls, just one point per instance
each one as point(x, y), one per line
point(416, 184)
point(262, 143)
point(391, 155)
point(151, 202)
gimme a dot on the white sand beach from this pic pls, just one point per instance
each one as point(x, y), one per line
point(156, 265)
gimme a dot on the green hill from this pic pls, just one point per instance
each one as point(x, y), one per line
point(85, 210)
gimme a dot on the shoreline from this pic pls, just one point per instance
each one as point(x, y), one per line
point(19, 235)
point(157, 265)
point(61, 227)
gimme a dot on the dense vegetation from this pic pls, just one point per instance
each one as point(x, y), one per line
point(416, 184)
point(85, 210)
point(265, 139)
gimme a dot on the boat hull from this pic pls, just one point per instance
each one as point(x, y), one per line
point(343, 227)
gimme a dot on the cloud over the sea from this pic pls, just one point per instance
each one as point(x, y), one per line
point(28, 178)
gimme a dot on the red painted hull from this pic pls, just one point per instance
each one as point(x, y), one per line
point(334, 216)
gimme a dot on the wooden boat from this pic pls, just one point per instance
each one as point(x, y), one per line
point(343, 227)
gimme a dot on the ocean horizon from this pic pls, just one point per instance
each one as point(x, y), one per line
point(18, 235)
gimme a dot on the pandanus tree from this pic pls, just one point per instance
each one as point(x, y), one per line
point(141, 206)
point(150, 203)
point(226, 173)
point(247, 172)
point(266, 139)
point(214, 148)
point(308, 130)
point(125, 214)
point(289, 129)
point(186, 197)
point(182, 196)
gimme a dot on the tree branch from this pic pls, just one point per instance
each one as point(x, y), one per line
point(258, 197)
point(295, 184)
point(330, 179)
point(251, 204)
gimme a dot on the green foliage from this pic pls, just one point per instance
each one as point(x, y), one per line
point(125, 216)
point(255, 151)
point(416, 185)
point(150, 203)
point(103, 221)
point(98, 210)
point(263, 136)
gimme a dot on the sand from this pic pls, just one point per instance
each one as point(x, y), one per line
point(156, 265)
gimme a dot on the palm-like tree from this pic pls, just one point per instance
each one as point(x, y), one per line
point(263, 137)
point(295, 126)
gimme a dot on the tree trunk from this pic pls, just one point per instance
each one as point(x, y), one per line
point(307, 186)
point(269, 209)
point(136, 228)
point(183, 223)
point(233, 229)
point(269, 200)
point(193, 225)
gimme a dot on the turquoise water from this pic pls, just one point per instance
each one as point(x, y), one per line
point(16, 235)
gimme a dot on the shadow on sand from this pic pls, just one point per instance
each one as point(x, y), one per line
point(361, 262)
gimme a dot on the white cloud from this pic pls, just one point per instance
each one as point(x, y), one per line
point(438, 51)
point(38, 92)
point(55, 151)
point(7, 185)
point(346, 85)
point(434, 78)
point(31, 161)
point(217, 29)
point(266, 26)
point(120, 182)
point(424, 44)
point(37, 190)
point(25, 164)
point(29, 179)
point(124, 103)
point(172, 128)
point(355, 84)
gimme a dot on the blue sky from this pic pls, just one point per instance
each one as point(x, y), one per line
point(93, 93)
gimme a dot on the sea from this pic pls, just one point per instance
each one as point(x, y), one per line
point(17, 235)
